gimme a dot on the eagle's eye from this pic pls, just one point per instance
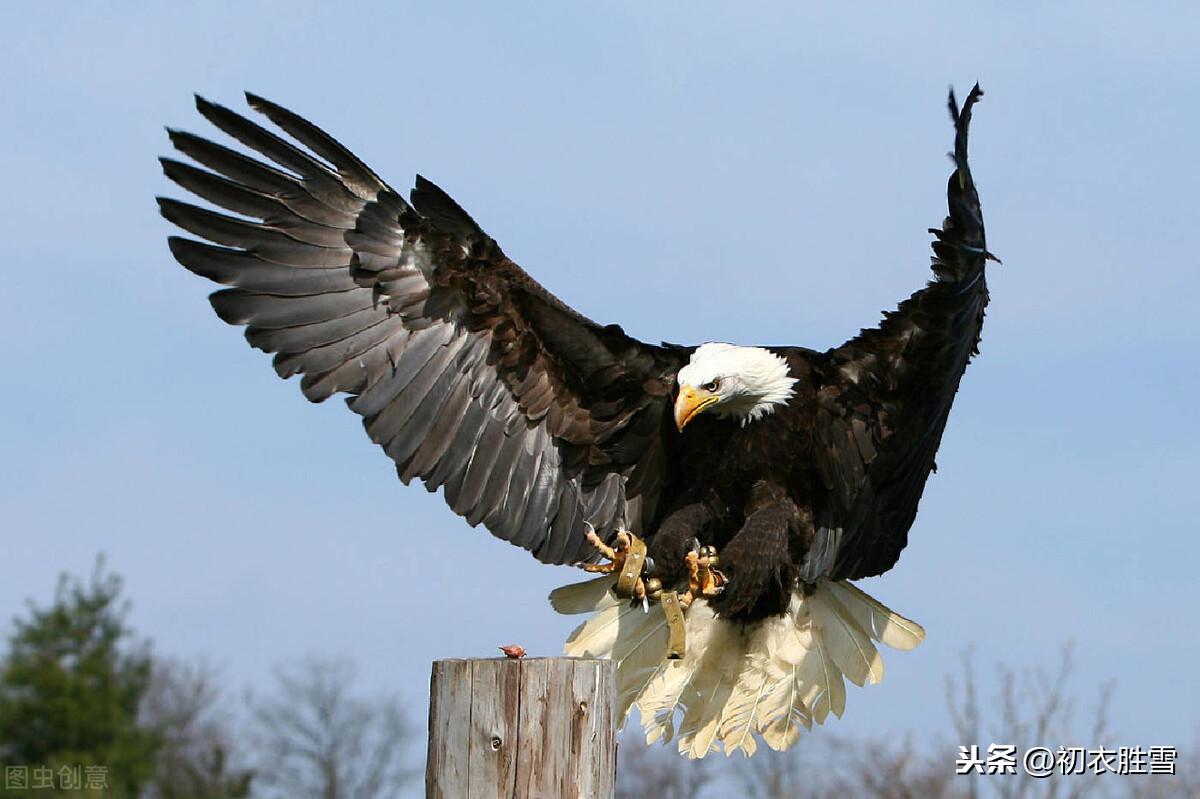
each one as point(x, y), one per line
point(711, 386)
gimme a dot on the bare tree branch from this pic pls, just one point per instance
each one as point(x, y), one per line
point(1030, 707)
point(964, 713)
point(184, 707)
point(658, 772)
point(319, 741)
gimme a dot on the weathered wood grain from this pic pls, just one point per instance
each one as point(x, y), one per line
point(495, 692)
point(537, 728)
point(593, 727)
point(449, 729)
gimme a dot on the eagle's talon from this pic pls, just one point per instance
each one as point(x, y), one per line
point(605, 552)
point(618, 555)
point(705, 581)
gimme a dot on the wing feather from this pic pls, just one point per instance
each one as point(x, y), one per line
point(884, 396)
point(470, 375)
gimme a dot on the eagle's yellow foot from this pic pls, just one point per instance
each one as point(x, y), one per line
point(705, 580)
point(616, 557)
point(627, 558)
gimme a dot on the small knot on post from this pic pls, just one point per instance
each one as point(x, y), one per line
point(526, 728)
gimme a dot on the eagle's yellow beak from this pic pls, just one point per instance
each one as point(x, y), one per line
point(689, 403)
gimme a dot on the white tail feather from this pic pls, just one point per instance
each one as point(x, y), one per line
point(740, 718)
point(597, 636)
point(585, 597)
point(845, 642)
point(720, 657)
point(783, 719)
point(769, 679)
point(666, 691)
point(662, 698)
point(876, 619)
point(821, 685)
point(638, 665)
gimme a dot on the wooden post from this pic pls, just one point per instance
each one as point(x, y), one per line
point(529, 728)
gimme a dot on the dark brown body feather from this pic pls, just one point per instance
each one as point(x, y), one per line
point(534, 419)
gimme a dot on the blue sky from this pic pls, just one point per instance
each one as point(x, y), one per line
point(691, 171)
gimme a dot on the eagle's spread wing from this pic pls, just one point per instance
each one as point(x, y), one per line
point(469, 374)
point(887, 395)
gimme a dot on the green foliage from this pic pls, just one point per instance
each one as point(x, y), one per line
point(71, 684)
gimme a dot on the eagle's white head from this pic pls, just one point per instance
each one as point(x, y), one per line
point(741, 382)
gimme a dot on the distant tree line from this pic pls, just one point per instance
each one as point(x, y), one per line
point(87, 709)
point(83, 699)
point(1030, 708)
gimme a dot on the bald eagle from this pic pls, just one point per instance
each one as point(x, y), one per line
point(793, 470)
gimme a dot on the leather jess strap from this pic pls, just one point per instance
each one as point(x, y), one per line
point(631, 569)
point(677, 640)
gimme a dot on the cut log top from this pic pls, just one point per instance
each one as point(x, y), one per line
point(529, 728)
